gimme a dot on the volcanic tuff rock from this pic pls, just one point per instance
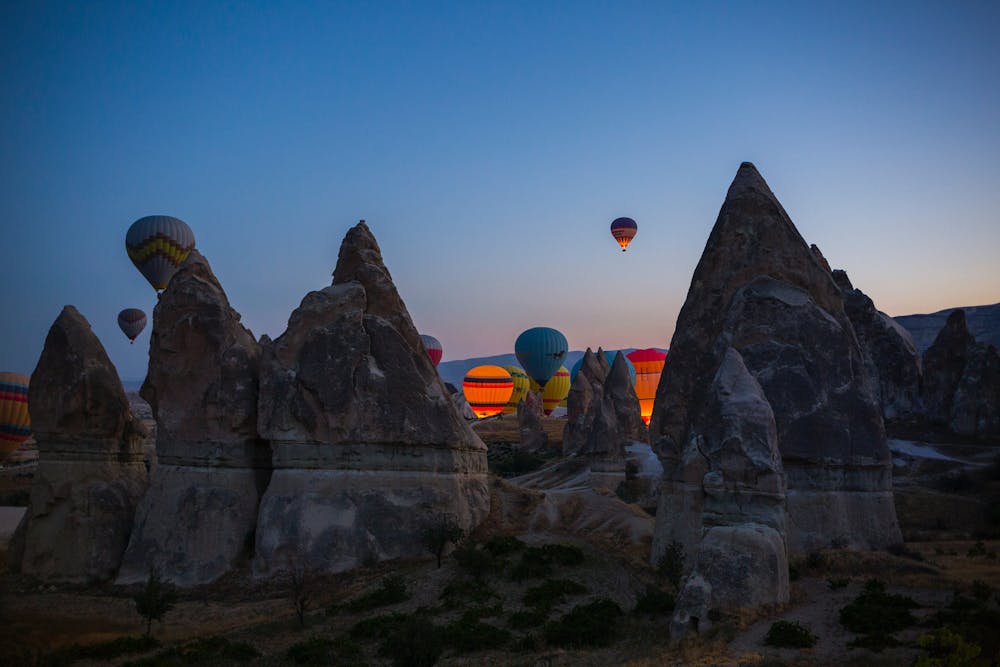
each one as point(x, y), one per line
point(368, 448)
point(727, 502)
point(983, 323)
point(197, 520)
point(760, 290)
point(90, 464)
point(962, 381)
point(891, 359)
point(529, 422)
point(603, 413)
point(461, 403)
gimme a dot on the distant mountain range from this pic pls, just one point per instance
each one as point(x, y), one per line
point(983, 322)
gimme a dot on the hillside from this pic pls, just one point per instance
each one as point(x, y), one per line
point(983, 322)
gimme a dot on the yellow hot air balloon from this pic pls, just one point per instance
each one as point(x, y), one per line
point(487, 389)
point(555, 390)
point(521, 385)
point(15, 425)
point(648, 368)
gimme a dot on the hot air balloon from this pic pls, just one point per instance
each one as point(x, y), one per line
point(541, 351)
point(158, 245)
point(554, 391)
point(132, 321)
point(623, 229)
point(610, 356)
point(15, 425)
point(487, 389)
point(649, 367)
point(521, 384)
point(433, 347)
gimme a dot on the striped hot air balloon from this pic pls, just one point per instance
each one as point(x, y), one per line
point(487, 389)
point(649, 367)
point(554, 391)
point(158, 245)
point(541, 351)
point(433, 347)
point(15, 424)
point(521, 384)
point(624, 229)
point(132, 321)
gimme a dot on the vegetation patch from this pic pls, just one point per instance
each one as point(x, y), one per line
point(877, 615)
point(595, 624)
point(973, 619)
point(392, 591)
point(103, 651)
point(468, 635)
point(377, 627)
point(537, 562)
point(671, 565)
point(655, 602)
point(514, 463)
point(551, 593)
point(477, 591)
point(946, 648)
point(529, 619)
point(475, 560)
point(320, 651)
point(207, 651)
point(837, 583)
point(788, 634)
point(504, 545)
point(413, 642)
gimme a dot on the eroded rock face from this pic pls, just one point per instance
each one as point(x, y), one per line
point(368, 448)
point(197, 521)
point(760, 290)
point(529, 422)
point(603, 414)
point(891, 359)
point(729, 494)
point(91, 472)
point(962, 381)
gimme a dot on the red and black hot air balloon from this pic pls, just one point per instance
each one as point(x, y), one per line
point(623, 229)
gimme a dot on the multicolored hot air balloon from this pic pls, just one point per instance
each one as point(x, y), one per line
point(521, 384)
point(158, 245)
point(649, 367)
point(624, 229)
point(15, 424)
point(554, 391)
point(487, 389)
point(132, 321)
point(433, 347)
point(610, 356)
point(541, 351)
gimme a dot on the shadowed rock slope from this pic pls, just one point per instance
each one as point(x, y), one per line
point(90, 461)
point(368, 447)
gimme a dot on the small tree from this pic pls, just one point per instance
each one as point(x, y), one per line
point(671, 565)
point(439, 533)
point(154, 600)
point(301, 586)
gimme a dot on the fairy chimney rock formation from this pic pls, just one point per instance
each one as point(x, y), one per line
point(91, 472)
point(760, 290)
point(529, 422)
point(891, 359)
point(196, 523)
point(368, 448)
point(961, 389)
point(603, 413)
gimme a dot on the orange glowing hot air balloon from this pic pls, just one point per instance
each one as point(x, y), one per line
point(624, 229)
point(15, 425)
point(555, 390)
point(648, 368)
point(487, 389)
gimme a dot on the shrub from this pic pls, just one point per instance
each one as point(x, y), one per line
point(377, 626)
point(392, 591)
point(154, 600)
point(977, 550)
point(593, 624)
point(836, 584)
point(319, 651)
point(551, 593)
point(537, 562)
point(504, 545)
point(947, 649)
point(475, 560)
point(206, 651)
point(901, 550)
point(103, 651)
point(413, 642)
point(876, 643)
point(671, 565)
point(442, 530)
point(655, 602)
point(789, 634)
point(563, 554)
point(878, 615)
point(815, 561)
point(477, 591)
point(468, 634)
point(793, 571)
point(522, 620)
point(981, 591)
point(518, 463)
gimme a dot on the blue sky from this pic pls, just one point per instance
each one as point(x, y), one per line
point(489, 146)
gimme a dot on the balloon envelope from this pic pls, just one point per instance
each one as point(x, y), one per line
point(15, 424)
point(554, 391)
point(521, 384)
point(158, 245)
point(487, 389)
point(649, 367)
point(433, 347)
point(541, 351)
point(610, 356)
point(132, 321)
point(624, 229)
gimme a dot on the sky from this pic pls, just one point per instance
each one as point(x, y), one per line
point(489, 145)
